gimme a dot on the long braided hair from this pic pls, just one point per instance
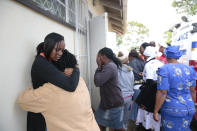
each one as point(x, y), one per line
point(110, 55)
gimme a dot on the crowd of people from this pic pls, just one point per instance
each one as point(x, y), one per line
point(147, 91)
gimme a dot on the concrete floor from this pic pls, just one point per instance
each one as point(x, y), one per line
point(131, 127)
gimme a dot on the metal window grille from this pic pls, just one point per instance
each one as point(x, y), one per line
point(72, 13)
point(82, 40)
point(62, 11)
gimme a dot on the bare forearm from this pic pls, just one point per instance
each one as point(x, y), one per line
point(160, 98)
point(193, 93)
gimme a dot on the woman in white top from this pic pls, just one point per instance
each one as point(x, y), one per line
point(145, 113)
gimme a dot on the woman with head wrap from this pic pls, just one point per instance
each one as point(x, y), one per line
point(176, 92)
point(146, 98)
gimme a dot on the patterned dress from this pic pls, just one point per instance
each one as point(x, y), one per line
point(178, 107)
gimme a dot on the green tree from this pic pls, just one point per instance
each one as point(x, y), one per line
point(185, 6)
point(136, 33)
point(168, 36)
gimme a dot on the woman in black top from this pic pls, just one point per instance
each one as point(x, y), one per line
point(44, 71)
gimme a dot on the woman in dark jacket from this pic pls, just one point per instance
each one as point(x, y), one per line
point(110, 111)
point(137, 63)
point(44, 71)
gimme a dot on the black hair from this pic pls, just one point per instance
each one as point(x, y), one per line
point(49, 42)
point(67, 60)
point(145, 44)
point(135, 54)
point(110, 55)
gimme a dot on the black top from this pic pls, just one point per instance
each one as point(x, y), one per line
point(107, 80)
point(42, 72)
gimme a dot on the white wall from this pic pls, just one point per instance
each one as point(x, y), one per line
point(98, 40)
point(21, 30)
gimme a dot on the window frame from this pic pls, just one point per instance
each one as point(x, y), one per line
point(33, 6)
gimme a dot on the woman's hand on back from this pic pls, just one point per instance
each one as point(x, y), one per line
point(68, 71)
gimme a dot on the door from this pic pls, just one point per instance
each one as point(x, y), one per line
point(98, 39)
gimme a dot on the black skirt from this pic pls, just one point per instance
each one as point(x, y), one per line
point(147, 96)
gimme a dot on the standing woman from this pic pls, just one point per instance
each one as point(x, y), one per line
point(126, 83)
point(44, 71)
point(176, 92)
point(146, 98)
point(110, 111)
point(137, 63)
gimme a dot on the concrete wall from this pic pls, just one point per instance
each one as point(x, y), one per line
point(96, 9)
point(98, 40)
point(21, 30)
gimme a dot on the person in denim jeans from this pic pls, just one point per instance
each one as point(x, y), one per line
point(176, 93)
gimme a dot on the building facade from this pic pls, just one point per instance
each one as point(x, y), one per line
point(25, 23)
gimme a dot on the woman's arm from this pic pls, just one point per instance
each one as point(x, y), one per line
point(31, 100)
point(193, 93)
point(101, 76)
point(193, 78)
point(160, 98)
point(49, 73)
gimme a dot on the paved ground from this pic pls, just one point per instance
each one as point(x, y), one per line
point(131, 127)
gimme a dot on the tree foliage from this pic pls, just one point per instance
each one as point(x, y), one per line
point(136, 33)
point(185, 6)
point(168, 36)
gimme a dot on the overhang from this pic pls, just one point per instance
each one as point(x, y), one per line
point(117, 13)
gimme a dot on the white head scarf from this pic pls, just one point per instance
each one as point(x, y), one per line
point(150, 51)
point(163, 44)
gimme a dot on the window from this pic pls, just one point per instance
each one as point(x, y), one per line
point(62, 11)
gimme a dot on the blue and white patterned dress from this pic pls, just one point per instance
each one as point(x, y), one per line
point(178, 107)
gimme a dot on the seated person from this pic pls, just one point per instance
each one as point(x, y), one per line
point(62, 110)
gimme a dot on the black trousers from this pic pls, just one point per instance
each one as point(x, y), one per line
point(35, 122)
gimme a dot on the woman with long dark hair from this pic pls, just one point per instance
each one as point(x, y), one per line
point(110, 111)
point(62, 110)
point(44, 71)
